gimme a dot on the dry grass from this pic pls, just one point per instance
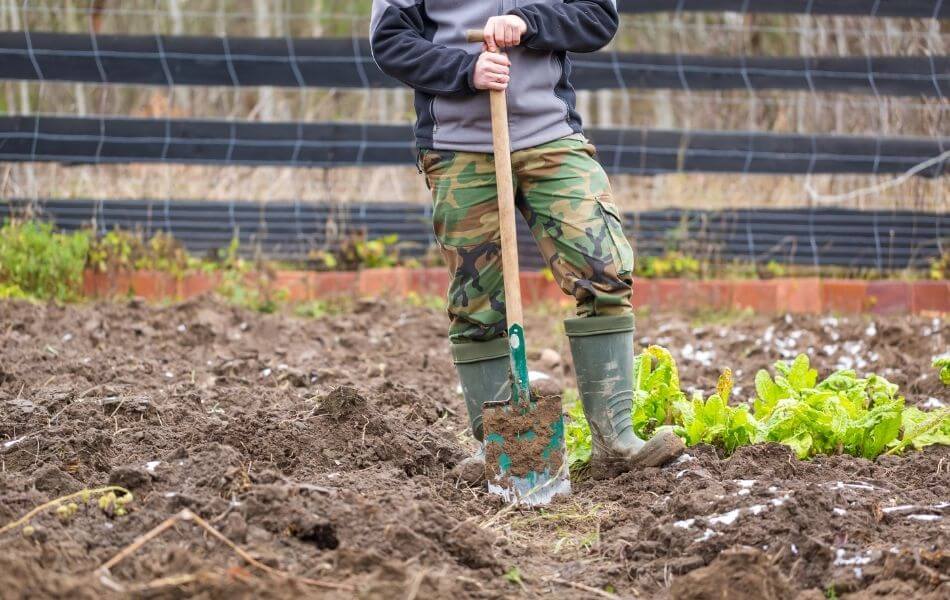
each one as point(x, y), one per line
point(403, 184)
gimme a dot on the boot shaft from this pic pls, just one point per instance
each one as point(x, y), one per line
point(483, 372)
point(602, 348)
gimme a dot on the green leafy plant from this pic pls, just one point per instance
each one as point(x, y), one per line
point(37, 262)
point(246, 284)
point(843, 413)
point(943, 364)
point(359, 252)
point(670, 264)
point(656, 390)
point(120, 250)
point(713, 421)
point(940, 266)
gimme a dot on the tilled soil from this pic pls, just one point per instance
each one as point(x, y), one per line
point(324, 449)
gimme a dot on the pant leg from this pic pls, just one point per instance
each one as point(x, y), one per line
point(569, 207)
point(465, 221)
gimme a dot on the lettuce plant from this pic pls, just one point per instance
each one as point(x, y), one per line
point(841, 414)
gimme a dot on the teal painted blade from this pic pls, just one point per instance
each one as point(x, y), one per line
point(519, 365)
point(526, 454)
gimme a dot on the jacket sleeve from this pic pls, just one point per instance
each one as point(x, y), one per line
point(402, 52)
point(574, 25)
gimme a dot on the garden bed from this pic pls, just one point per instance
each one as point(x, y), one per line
point(795, 295)
point(241, 418)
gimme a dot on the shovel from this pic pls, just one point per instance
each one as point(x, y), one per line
point(525, 452)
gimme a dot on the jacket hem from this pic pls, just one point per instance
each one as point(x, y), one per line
point(485, 147)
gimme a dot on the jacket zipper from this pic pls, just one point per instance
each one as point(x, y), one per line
point(435, 122)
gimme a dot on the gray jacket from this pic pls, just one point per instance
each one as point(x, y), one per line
point(422, 43)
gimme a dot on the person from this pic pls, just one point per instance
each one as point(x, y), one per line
point(561, 189)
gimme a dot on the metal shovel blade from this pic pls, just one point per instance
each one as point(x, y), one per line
point(525, 451)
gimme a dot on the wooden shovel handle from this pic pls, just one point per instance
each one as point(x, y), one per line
point(506, 199)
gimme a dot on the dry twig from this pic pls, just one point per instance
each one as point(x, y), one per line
point(187, 515)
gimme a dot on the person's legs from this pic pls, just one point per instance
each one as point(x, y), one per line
point(465, 220)
point(568, 204)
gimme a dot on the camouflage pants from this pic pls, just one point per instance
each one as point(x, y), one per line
point(565, 197)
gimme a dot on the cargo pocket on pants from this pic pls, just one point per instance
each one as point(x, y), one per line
point(622, 252)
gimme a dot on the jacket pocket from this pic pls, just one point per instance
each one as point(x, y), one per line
point(622, 252)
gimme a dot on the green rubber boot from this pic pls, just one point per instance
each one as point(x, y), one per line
point(602, 348)
point(483, 372)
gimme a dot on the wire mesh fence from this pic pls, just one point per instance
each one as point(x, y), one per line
point(723, 104)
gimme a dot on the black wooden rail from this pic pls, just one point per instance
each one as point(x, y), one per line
point(347, 62)
point(937, 9)
point(76, 140)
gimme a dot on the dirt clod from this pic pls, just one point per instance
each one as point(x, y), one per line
point(738, 573)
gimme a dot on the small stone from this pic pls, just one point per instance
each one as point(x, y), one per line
point(22, 406)
point(235, 527)
point(550, 359)
point(129, 477)
point(54, 481)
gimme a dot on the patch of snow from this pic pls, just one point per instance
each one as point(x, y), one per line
point(537, 376)
point(13, 442)
point(725, 518)
point(67, 337)
point(683, 458)
point(871, 331)
point(925, 517)
point(151, 465)
point(842, 560)
point(794, 549)
point(933, 403)
point(901, 508)
point(182, 329)
point(282, 367)
point(779, 501)
point(169, 374)
point(266, 372)
point(743, 493)
point(744, 483)
point(680, 474)
point(706, 535)
point(685, 523)
point(839, 511)
point(757, 508)
point(170, 494)
point(840, 485)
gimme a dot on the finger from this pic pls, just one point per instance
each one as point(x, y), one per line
point(509, 35)
point(498, 58)
point(495, 68)
point(489, 34)
point(500, 87)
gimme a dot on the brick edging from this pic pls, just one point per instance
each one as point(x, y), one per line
point(807, 295)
